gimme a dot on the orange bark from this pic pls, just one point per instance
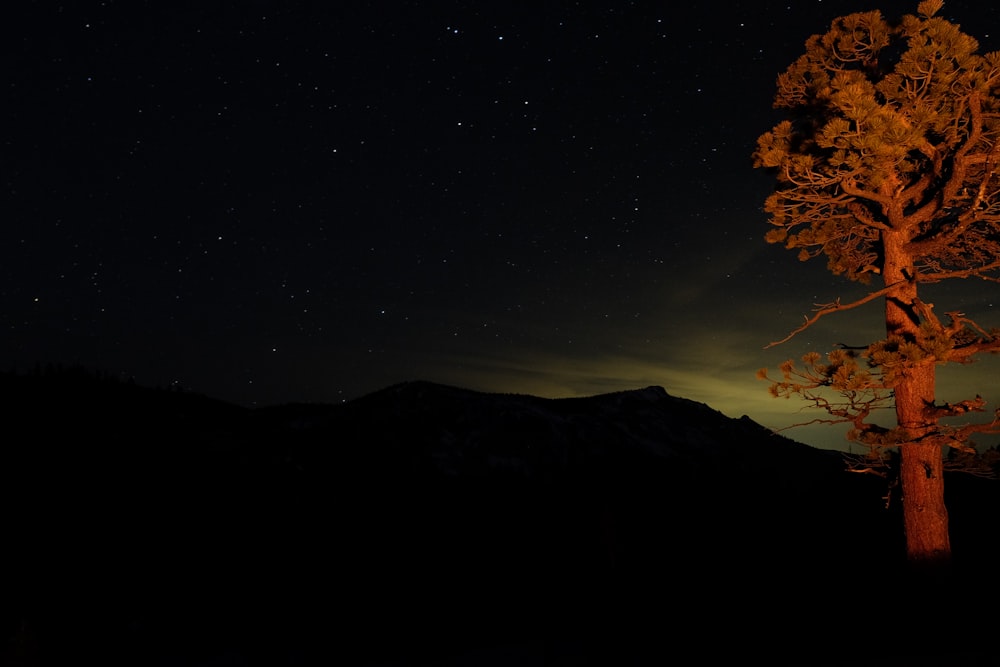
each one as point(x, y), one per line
point(925, 516)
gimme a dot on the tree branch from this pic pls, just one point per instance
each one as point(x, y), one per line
point(849, 186)
point(976, 272)
point(834, 307)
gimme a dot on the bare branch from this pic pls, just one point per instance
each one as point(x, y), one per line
point(974, 468)
point(834, 307)
point(965, 352)
point(977, 272)
point(849, 186)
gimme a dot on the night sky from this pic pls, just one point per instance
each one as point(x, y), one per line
point(272, 202)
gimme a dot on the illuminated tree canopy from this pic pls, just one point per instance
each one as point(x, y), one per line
point(912, 149)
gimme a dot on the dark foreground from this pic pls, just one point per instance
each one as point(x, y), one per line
point(432, 526)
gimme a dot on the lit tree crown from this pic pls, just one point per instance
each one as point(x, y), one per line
point(891, 129)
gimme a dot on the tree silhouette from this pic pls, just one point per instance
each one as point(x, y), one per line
point(886, 163)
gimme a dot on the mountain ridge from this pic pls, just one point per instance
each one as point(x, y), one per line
point(195, 529)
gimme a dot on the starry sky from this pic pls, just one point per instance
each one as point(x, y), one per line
point(272, 202)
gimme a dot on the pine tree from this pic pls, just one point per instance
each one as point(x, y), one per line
point(886, 163)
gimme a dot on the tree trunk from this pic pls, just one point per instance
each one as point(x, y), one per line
point(925, 517)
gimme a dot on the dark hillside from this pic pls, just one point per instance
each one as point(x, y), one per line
point(427, 522)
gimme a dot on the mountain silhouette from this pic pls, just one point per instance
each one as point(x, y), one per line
point(430, 524)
